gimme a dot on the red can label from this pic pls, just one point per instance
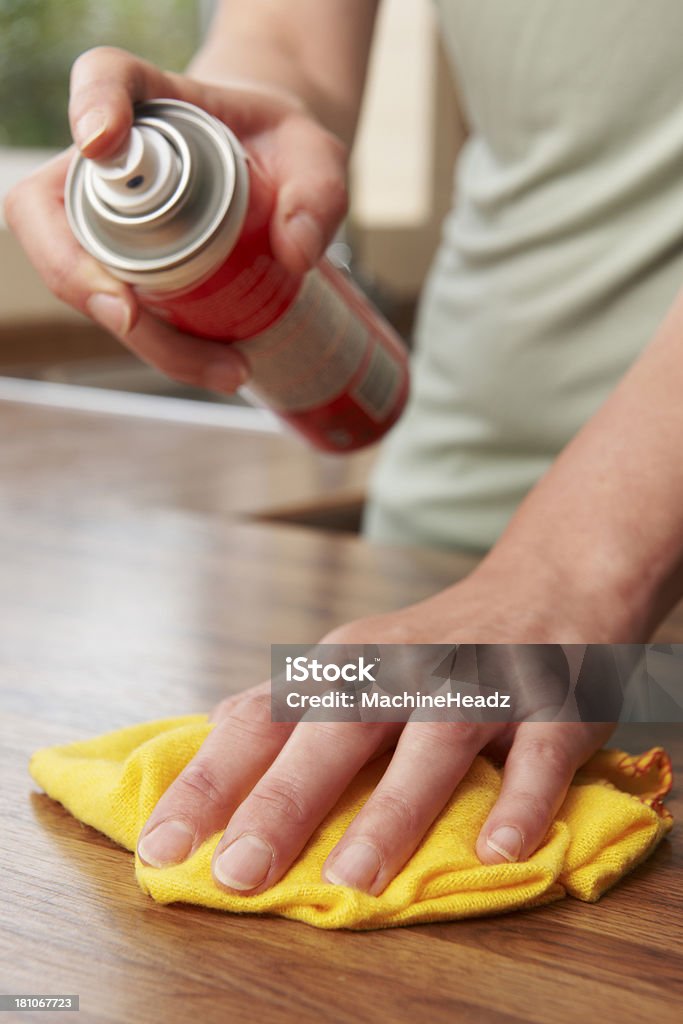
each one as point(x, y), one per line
point(320, 355)
point(310, 356)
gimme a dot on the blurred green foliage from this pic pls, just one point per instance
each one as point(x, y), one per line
point(40, 39)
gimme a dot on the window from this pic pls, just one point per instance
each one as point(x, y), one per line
point(42, 38)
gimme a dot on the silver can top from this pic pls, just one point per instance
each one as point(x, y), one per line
point(179, 184)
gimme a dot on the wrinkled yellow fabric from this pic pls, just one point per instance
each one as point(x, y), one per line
point(612, 818)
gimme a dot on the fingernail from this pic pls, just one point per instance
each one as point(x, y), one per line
point(109, 311)
point(307, 236)
point(168, 843)
point(225, 376)
point(507, 841)
point(245, 863)
point(90, 127)
point(356, 866)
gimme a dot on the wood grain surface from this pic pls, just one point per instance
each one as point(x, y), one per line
point(58, 456)
point(128, 594)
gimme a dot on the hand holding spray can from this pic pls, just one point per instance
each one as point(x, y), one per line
point(183, 215)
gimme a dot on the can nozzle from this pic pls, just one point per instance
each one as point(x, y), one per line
point(141, 177)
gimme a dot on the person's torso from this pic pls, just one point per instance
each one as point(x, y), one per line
point(562, 252)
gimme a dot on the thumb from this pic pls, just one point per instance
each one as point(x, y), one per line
point(105, 83)
point(312, 201)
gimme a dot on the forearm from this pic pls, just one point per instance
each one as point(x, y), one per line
point(318, 51)
point(605, 524)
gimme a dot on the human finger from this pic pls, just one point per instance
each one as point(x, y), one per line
point(538, 771)
point(208, 364)
point(430, 760)
point(106, 82)
point(228, 704)
point(34, 210)
point(308, 165)
point(273, 824)
point(201, 800)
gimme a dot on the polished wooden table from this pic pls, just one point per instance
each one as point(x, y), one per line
point(134, 586)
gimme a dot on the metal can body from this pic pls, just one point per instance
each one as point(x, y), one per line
point(320, 356)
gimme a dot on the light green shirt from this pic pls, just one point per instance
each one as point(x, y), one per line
point(560, 257)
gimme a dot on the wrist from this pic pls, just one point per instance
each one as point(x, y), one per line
point(587, 594)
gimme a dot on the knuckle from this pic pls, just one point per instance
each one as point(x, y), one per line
point(549, 756)
point(94, 57)
point(538, 806)
point(96, 73)
point(282, 797)
point(253, 710)
point(396, 631)
point(21, 197)
point(199, 779)
point(249, 707)
point(397, 814)
point(166, 351)
point(451, 735)
point(57, 277)
point(347, 737)
point(224, 707)
point(338, 149)
point(336, 197)
point(13, 203)
point(177, 373)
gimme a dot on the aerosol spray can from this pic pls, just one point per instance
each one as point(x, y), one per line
point(183, 215)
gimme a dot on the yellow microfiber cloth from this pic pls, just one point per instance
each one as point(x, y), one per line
point(612, 818)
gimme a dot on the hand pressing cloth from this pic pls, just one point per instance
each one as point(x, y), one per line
point(612, 819)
